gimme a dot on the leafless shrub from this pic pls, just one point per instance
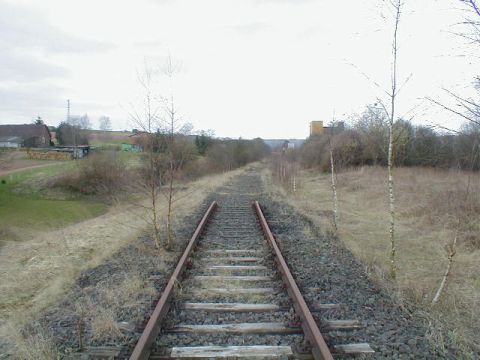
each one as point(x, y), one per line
point(284, 169)
point(198, 168)
point(226, 155)
point(102, 174)
point(314, 153)
point(347, 149)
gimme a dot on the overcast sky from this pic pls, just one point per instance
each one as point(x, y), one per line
point(248, 67)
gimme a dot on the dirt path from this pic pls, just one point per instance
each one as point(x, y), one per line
point(8, 172)
point(13, 162)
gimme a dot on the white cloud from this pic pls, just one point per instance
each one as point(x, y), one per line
point(27, 67)
point(250, 68)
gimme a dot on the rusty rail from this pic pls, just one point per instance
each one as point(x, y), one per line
point(319, 347)
point(142, 349)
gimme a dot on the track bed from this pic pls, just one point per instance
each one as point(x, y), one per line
point(237, 298)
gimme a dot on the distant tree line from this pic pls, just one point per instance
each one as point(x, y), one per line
point(224, 155)
point(365, 142)
point(202, 154)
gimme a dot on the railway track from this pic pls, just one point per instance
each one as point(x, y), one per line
point(233, 296)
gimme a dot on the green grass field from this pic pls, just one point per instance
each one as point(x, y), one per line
point(31, 210)
point(108, 138)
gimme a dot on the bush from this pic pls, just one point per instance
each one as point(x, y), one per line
point(199, 167)
point(313, 152)
point(101, 173)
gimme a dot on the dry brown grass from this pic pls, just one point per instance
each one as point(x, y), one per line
point(40, 346)
point(431, 206)
point(37, 273)
point(104, 325)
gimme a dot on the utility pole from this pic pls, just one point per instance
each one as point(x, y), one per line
point(68, 110)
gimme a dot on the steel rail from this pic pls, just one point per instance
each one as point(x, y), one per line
point(320, 349)
point(143, 347)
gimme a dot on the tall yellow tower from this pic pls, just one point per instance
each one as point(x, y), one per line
point(316, 128)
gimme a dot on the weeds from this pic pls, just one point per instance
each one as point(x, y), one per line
point(103, 174)
point(105, 326)
point(430, 203)
point(38, 344)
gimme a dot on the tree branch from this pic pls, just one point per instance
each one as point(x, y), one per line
point(452, 111)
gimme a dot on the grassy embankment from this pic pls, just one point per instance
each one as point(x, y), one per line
point(26, 208)
point(432, 208)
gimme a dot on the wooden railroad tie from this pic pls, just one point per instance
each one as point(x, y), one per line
point(243, 307)
point(228, 352)
point(234, 291)
point(231, 278)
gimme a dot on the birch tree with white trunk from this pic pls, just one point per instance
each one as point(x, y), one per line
point(396, 6)
point(333, 178)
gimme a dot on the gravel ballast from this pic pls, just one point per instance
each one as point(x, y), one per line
point(233, 227)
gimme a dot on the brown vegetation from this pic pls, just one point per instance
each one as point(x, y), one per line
point(365, 142)
point(102, 174)
point(49, 155)
point(432, 208)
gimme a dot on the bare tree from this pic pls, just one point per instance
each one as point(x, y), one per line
point(172, 123)
point(146, 117)
point(82, 121)
point(104, 123)
point(467, 108)
point(373, 125)
point(397, 6)
point(164, 137)
point(333, 176)
point(472, 20)
point(473, 5)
